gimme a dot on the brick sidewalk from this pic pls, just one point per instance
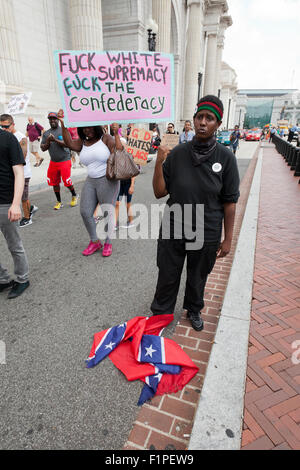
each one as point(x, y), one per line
point(166, 422)
point(272, 399)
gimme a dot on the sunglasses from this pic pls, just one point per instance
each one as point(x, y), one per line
point(5, 126)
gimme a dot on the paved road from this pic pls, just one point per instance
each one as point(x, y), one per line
point(48, 399)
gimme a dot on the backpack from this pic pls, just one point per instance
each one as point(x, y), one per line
point(38, 130)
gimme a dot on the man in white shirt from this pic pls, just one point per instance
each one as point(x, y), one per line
point(8, 124)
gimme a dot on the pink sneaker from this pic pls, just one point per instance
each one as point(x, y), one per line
point(107, 250)
point(92, 248)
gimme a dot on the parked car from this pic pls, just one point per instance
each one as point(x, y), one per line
point(223, 137)
point(253, 135)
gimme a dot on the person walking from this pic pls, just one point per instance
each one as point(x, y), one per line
point(198, 174)
point(235, 139)
point(94, 148)
point(126, 190)
point(187, 135)
point(7, 123)
point(11, 190)
point(292, 131)
point(60, 163)
point(272, 133)
point(34, 131)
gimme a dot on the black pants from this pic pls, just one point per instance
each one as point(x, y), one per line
point(171, 256)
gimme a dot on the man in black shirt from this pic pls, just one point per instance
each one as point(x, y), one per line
point(11, 189)
point(200, 176)
point(60, 161)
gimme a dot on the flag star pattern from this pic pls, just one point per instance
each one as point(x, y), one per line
point(136, 349)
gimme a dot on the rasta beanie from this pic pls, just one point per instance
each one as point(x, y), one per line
point(211, 103)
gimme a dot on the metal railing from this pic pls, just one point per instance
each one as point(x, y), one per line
point(290, 153)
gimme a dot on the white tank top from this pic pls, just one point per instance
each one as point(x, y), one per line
point(95, 157)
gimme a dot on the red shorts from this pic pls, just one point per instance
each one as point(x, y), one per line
point(58, 171)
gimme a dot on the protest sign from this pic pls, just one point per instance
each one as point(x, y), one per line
point(18, 103)
point(139, 144)
point(170, 140)
point(107, 86)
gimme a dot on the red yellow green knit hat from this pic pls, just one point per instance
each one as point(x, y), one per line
point(211, 103)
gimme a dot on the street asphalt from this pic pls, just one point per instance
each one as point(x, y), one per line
point(48, 398)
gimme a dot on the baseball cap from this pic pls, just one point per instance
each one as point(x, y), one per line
point(52, 115)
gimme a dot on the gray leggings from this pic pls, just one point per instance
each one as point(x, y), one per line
point(102, 191)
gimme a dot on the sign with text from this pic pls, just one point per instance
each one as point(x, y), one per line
point(18, 103)
point(170, 140)
point(105, 87)
point(139, 144)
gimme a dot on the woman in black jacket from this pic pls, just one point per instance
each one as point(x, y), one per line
point(202, 180)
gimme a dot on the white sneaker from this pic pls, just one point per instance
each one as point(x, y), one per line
point(128, 225)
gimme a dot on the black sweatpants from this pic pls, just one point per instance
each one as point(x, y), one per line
point(171, 256)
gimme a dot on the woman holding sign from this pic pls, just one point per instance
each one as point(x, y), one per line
point(202, 180)
point(94, 148)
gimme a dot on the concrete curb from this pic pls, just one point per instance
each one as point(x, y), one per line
point(219, 416)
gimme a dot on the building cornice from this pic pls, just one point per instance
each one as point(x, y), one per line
point(221, 5)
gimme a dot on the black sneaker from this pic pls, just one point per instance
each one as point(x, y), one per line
point(196, 320)
point(25, 222)
point(7, 285)
point(33, 210)
point(17, 289)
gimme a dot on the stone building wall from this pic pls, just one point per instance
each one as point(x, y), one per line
point(31, 30)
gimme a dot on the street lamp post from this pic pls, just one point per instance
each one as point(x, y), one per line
point(229, 104)
point(200, 75)
point(152, 29)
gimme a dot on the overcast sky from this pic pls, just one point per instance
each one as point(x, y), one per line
point(263, 44)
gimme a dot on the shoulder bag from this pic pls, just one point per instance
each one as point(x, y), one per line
point(121, 166)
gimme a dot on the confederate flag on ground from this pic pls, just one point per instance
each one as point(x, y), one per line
point(137, 349)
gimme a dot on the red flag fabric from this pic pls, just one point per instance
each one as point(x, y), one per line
point(137, 349)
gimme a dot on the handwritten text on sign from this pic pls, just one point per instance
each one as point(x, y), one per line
point(106, 87)
point(139, 144)
point(170, 140)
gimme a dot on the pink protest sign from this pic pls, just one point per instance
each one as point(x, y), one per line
point(105, 87)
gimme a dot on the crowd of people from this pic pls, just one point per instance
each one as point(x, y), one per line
point(197, 171)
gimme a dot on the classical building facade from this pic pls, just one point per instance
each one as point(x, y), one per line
point(192, 30)
point(228, 95)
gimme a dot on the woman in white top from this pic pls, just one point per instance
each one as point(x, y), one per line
point(94, 148)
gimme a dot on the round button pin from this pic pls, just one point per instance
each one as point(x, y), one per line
point(217, 167)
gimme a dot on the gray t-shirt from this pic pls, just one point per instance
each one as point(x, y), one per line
point(57, 153)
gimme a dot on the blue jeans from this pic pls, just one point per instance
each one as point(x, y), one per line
point(10, 231)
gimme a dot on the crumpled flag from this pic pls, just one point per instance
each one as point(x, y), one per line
point(137, 349)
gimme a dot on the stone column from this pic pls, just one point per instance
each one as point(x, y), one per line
point(219, 54)
point(225, 22)
point(161, 12)
point(10, 65)
point(210, 66)
point(193, 56)
point(86, 24)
